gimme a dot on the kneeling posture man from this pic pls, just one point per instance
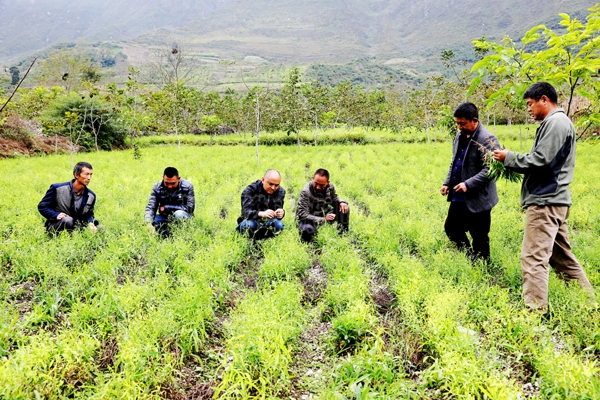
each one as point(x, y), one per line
point(318, 204)
point(70, 205)
point(262, 207)
point(173, 199)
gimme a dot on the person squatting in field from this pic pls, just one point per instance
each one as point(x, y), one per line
point(471, 193)
point(319, 204)
point(171, 199)
point(70, 205)
point(262, 207)
point(548, 171)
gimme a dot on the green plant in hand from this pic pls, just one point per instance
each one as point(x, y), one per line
point(497, 169)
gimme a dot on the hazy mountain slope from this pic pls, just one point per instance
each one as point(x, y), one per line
point(28, 25)
point(337, 30)
point(289, 31)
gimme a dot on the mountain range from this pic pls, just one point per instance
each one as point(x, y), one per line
point(278, 31)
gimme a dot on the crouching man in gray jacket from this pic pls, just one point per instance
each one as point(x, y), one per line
point(545, 195)
point(319, 204)
point(171, 199)
point(471, 194)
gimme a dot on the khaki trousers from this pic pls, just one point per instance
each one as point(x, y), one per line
point(546, 241)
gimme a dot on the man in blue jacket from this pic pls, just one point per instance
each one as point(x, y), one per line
point(545, 195)
point(70, 205)
point(471, 194)
point(171, 199)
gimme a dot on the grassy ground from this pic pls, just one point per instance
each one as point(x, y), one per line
point(390, 310)
point(516, 134)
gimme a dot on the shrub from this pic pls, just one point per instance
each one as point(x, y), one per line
point(88, 121)
point(17, 129)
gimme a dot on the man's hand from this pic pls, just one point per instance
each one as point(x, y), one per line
point(161, 209)
point(460, 188)
point(266, 214)
point(344, 208)
point(279, 213)
point(61, 216)
point(150, 228)
point(330, 217)
point(500, 155)
point(93, 228)
point(444, 190)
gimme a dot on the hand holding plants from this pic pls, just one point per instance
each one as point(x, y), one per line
point(495, 162)
point(266, 214)
point(500, 155)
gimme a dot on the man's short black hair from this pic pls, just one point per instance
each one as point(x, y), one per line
point(539, 89)
point(80, 166)
point(171, 172)
point(468, 111)
point(322, 172)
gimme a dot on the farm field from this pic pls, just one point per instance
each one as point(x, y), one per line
point(388, 311)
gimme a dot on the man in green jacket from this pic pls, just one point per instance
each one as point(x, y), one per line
point(319, 204)
point(545, 195)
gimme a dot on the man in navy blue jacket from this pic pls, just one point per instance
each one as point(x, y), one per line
point(471, 193)
point(70, 205)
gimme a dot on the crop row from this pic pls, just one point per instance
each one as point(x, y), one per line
point(124, 313)
point(477, 338)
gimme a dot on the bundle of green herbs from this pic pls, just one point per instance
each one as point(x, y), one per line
point(497, 170)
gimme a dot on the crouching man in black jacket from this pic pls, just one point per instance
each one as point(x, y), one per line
point(262, 207)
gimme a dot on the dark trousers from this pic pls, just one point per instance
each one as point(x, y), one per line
point(308, 229)
point(65, 224)
point(460, 220)
point(69, 224)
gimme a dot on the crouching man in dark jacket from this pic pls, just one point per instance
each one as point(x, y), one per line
point(171, 199)
point(471, 193)
point(262, 207)
point(319, 204)
point(70, 205)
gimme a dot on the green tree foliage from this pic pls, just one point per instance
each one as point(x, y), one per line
point(69, 69)
point(87, 120)
point(317, 100)
point(568, 59)
point(32, 102)
point(14, 73)
point(292, 107)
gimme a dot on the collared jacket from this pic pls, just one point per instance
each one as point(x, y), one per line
point(313, 205)
point(549, 167)
point(256, 199)
point(481, 194)
point(182, 198)
point(60, 198)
